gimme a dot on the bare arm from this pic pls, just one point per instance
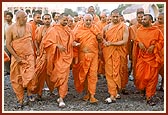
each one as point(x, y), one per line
point(9, 39)
point(124, 40)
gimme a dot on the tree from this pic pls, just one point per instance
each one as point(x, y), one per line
point(69, 12)
point(160, 5)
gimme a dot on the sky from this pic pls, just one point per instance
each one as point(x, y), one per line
point(72, 5)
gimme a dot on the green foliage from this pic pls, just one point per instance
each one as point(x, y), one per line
point(160, 5)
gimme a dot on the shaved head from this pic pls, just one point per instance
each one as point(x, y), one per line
point(20, 13)
point(87, 15)
point(21, 17)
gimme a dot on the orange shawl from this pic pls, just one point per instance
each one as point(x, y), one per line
point(87, 61)
point(147, 64)
point(58, 63)
point(117, 53)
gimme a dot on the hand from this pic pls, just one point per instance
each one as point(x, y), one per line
point(107, 43)
point(141, 46)
point(75, 43)
point(99, 38)
point(151, 49)
point(61, 48)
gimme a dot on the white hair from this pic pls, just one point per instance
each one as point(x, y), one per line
point(86, 15)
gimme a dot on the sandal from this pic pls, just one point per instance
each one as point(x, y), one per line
point(61, 103)
point(86, 97)
point(151, 102)
point(93, 100)
point(109, 100)
point(19, 106)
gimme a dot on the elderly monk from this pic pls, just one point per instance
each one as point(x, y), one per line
point(116, 36)
point(19, 44)
point(160, 24)
point(149, 40)
point(59, 50)
point(41, 61)
point(35, 23)
point(132, 46)
point(88, 35)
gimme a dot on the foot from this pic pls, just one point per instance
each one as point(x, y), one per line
point(61, 103)
point(19, 106)
point(109, 100)
point(151, 102)
point(86, 97)
point(118, 96)
point(93, 100)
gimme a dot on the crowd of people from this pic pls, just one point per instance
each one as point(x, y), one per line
point(91, 46)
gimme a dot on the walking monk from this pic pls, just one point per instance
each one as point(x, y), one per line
point(116, 36)
point(101, 24)
point(41, 61)
point(132, 47)
point(88, 35)
point(35, 23)
point(19, 44)
point(149, 40)
point(59, 51)
point(160, 24)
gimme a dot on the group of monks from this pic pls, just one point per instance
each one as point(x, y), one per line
point(91, 45)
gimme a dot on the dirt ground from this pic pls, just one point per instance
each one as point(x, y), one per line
point(74, 103)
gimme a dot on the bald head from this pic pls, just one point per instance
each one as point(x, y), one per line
point(88, 19)
point(21, 17)
point(88, 16)
point(20, 13)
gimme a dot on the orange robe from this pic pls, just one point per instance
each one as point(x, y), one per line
point(6, 57)
point(115, 60)
point(86, 69)
point(101, 68)
point(161, 69)
point(41, 65)
point(147, 64)
point(34, 27)
point(21, 75)
point(133, 49)
point(96, 18)
point(58, 63)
